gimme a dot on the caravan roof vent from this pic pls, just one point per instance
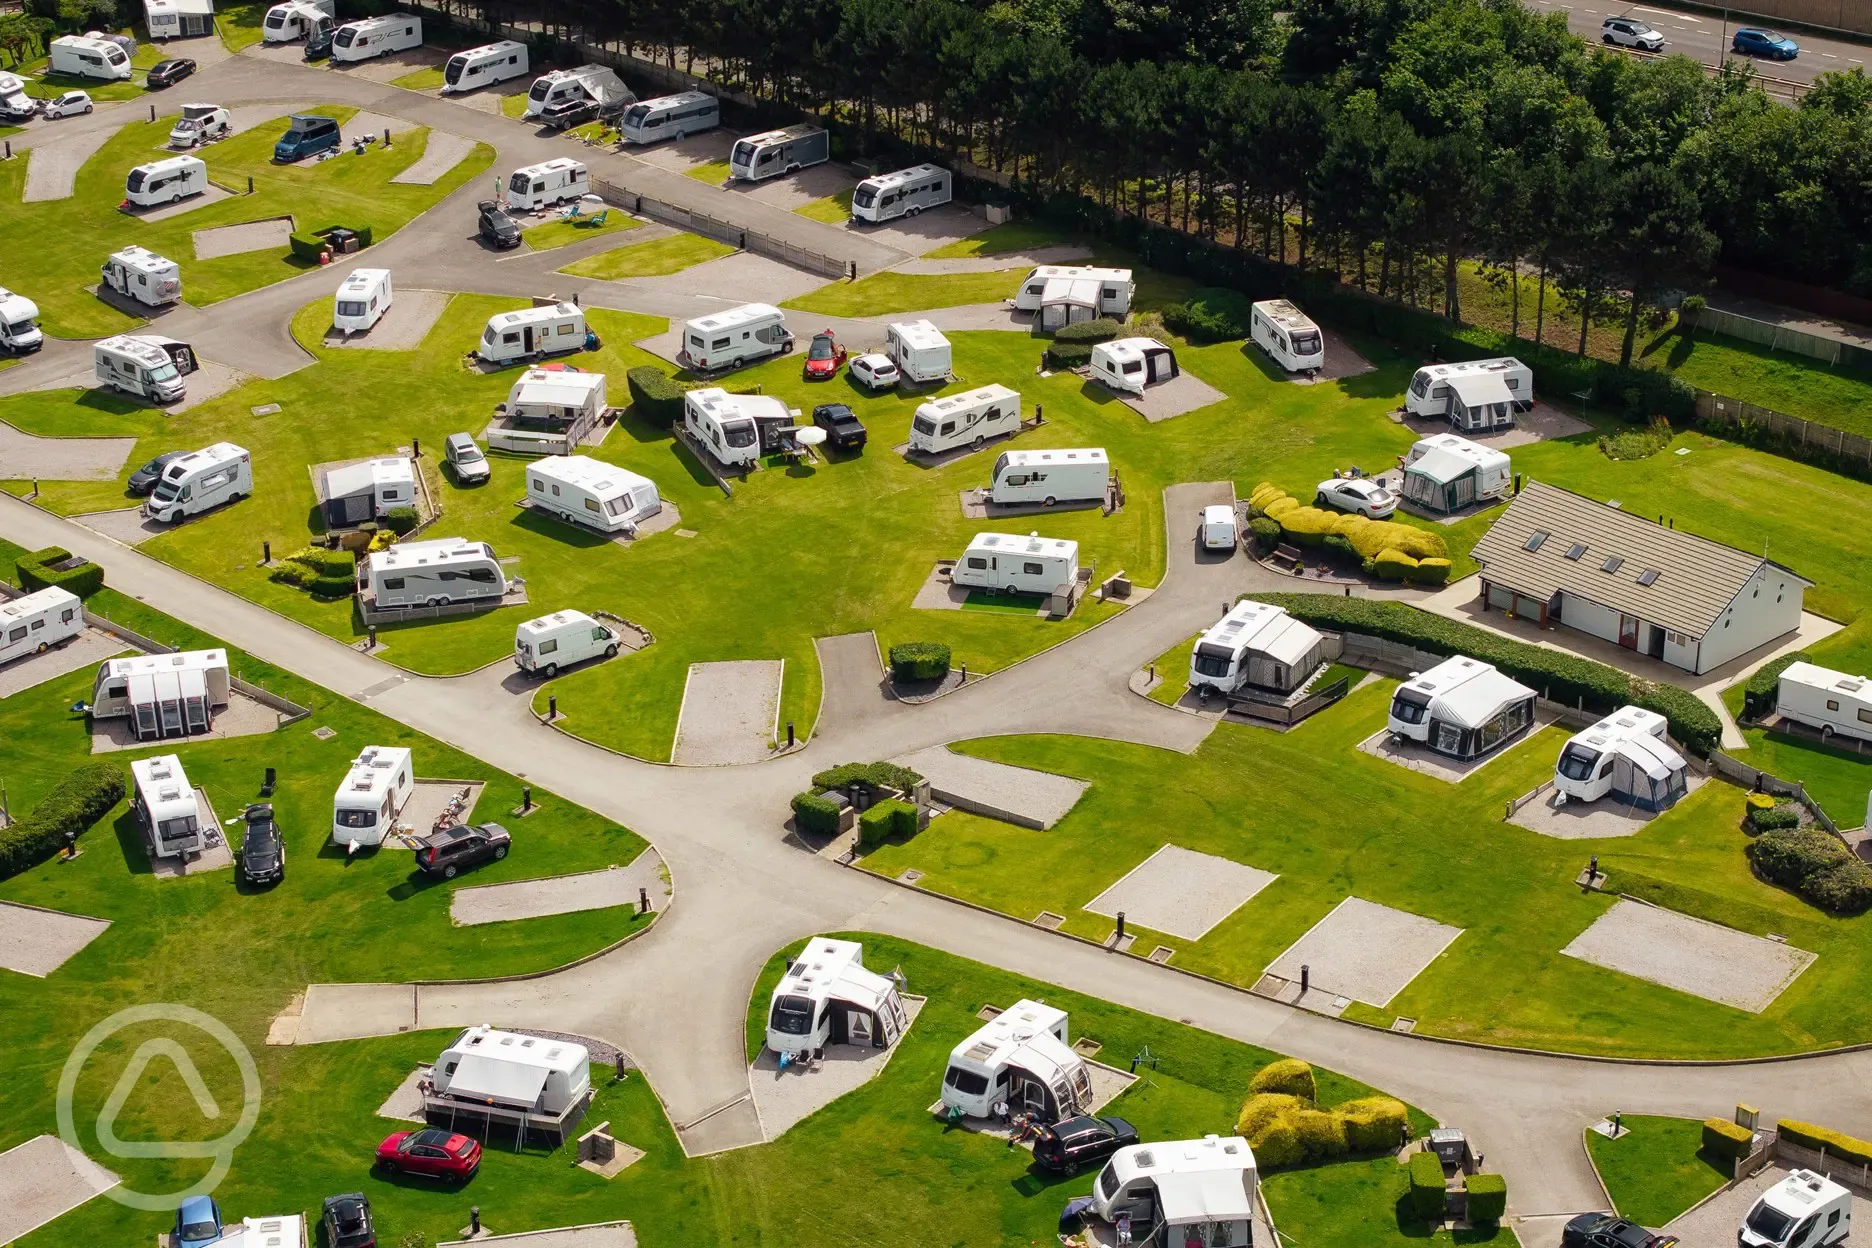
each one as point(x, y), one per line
point(1852, 684)
point(176, 661)
point(1145, 1159)
point(159, 770)
point(168, 793)
point(1649, 576)
point(980, 1052)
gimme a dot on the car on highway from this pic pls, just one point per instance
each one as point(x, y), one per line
point(438, 1154)
point(1070, 1146)
point(1768, 44)
point(875, 371)
point(1629, 32)
point(823, 358)
point(71, 104)
point(144, 479)
point(197, 1222)
point(263, 849)
point(1605, 1230)
point(844, 431)
point(445, 852)
point(497, 229)
point(168, 73)
point(1360, 496)
point(348, 1223)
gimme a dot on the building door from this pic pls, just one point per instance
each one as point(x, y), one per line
point(1628, 631)
point(1656, 648)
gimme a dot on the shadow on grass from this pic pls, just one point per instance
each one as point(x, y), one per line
point(106, 401)
point(130, 843)
point(1374, 385)
point(415, 884)
point(558, 530)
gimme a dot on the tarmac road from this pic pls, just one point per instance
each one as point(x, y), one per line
point(1701, 36)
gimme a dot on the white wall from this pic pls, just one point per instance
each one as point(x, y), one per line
point(1768, 607)
point(1589, 617)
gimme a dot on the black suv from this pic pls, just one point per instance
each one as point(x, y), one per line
point(843, 431)
point(1080, 1142)
point(263, 850)
point(1604, 1230)
point(168, 73)
point(446, 852)
point(348, 1222)
point(497, 229)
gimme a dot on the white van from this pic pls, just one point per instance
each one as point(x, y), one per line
point(434, 573)
point(919, 350)
point(362, 300)
point(1287, 335)
point(1003, 562)
point(483, 66)
point(166, 181)
point(19, 323)
point(1049, 477)
point(296, 19)
point(144, 276)
point(165, 807)
point(736, 428)
point(591, 492)
point(88, 56)
point(198, 124)
point(550, 329)
point(556, 641)
point(966, 419)
point(555, 181)
point(1804, 1210)
point(1218, 528)
point(902, 194)
point(39, 621)
point(138, 365)
point(670, 117)
point(778, 152)
point(222, 473)
point(371, 795)
point(376, 36)
point(738, 336)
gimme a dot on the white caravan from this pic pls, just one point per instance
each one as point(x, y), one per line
point(828, 997)
point(178, 19)
point(1255, 644)
point(137, 365)
point(549, 412)
point(1004, 562)
point(778, 152)
point(1462, 707)
point(736, 428)
point(1067, 292)
point(1444, 473)
point(199, 481)
point(1625, 755)
point(281, 1230)
point(1181, 1191)
point(1130, 364)
point(550, 329)
point(1049, 477)
point(1218, 528)
point(162, 695)
point(296, 19)
point(561, 639)
point(371, 795)
point(528, 1073)
point(1021, 1059)
point(434, 573)
point(362, 300)
point(1474, 395)
point(550, 182)
point(738, 336)
point(166, 181)
point(670, 117)
point(966, 419)
point(598, 83)
point(483, 66)
point(88, 56)
point(1287, 335)
point(357, 493)
point(919, 350)
point(1831, 703)
point(902, 194)
point(198, 124)
point(376, 36)
point(144, 276)
point(591, 492)
point(1804, 1210)
point(19, 323)
point(165, 807)
point(39, 621)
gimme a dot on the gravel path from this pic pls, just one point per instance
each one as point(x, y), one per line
point(87, 649)
point(1691, 955)
point(43, 1179)
point(274, 233)
point(37, 942)
point(728, 712)
point(441, 153)
point(786, 1098)
point(595, 1235)
point(1181, 892)
point(24, 456)
point(52, 169)
point(562, 894)
point(1365, 951)
point(1035, 799)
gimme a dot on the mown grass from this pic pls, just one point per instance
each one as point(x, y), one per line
point(429, 79)
point(1795, 385)
point(513, 106)
point(715, 172)
point(1173, 667)
point(559, 233)
point(835, 209)
point(887, 292)
point(657, 258)
point(241, 25)
point(1657, 1170)
point(1010, 238)
point(1352, 1204)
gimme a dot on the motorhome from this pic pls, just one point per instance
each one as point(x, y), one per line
point(483, 66)
point(1181, 1192)
point(362, 300)
point(966, 419)
point(591, 492)
point(1020, 1058)
point(19, 323)
point(1097, 292)
point(778, 152)
point(597, 83)
point(88, 56)
point(1474, 395)
point(550, 182)
point(358, 493)
point(1445, 473)
point(162, 695)
point(1831, 703)
point(561, 639)
point(1049, 477)
point(15, 105)
point(1004, 562)
point(532, 1074)
point(166, 810)
point(550, 329)
point(138, 365)
point(297, 19)
point(434, 573)
point(142, 275)
point(1626, 755)
point(1462, 708)
point(166, 181)
point(38, 621)
point(372, 794)
point(736, 429)
point(1804, 1210)
point(827, 997)
point(199, 481)
point(919, 350)
point(376, 36)
point(902, 194)
point(670, 117)
point(549, 412)
point(1255, 646)
point(178, 19)
point(1130, 364)
point(1287, 335)
point(738, 336)
point(198, 124)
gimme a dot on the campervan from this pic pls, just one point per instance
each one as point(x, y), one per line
point(670, 117)
point(827, 997)
point(162, 695)
point(966, 419)
point(483, 66)
point(1462, 707)
point(19, 323)
point(919, 350)
point(1831, 703)
point(199, 481)
point(144, 276)
point(138, 365)
point(166, 181)
point(549, 412)
point(178, 19)
point(1004, 562)
point(1256, 645)
point(198, 124)
point(38, 621)
point(88, 56)
point(297, 19)
point(1181, 1191)
point(376, 36)
point(434, 573)
point(1473, 394)
point(1804, 1210)
point(738, 336)
point(1108, 294)
point(550, 329)
point(362, 300)
point(371, 795)
point(357, 493)
point(1020, 1058)
point(736, 429)
point(561, 639)
point(597, 83)
point(165, 807)
point(1130, 364)
point(1625, 755)
point(1445, 473)
point(1049, 477)
point(15, 104)
point(551, 182)
point(1288, 337)
point(904, 193)
point(529, 1073)
point(777, 152)
point(591, 492)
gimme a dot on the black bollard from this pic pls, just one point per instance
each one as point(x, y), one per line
point(1039, 418)
point(474, 1219)
point(152, 112)
point(266, 552)
point(250, 184)
point(9, 150)
point(1306, 976)
point(526, 797)
point(370, 631)
point(854, 271)
point(1120, 925)
point(415, 449)
point(643, 901)
point(272, 779)
point(552, 712)
point(789, 734)
point(386, 136)
point(965, 673)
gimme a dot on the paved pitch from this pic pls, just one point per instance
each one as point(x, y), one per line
point(1035, 799)
point(787, 1097)
point(412, 314)
point(86, 650)
point(1181, 394)
point(28, 455)
point(43, 1179)
point(52, 170)
point(728, 712)
point(562, 894)
point(441, 152)
point(271, 234)
point(1589, 821)
point(37, 942)
point(1714, 1224)
point(1365, 951)
point(1691, 955)
point(1181, 892)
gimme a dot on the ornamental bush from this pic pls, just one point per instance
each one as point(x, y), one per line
point(1262, 1110)
point(886, 819)
point(1374, 1124)
point(1726, 1139)
point(1845, 889)
point(36, 572)
point(1322, 1133)
point(1289, 1076)
point(1432, 571)
point(815, 815)
point(78, 801)
point(1488, 1197)
point(1787, 856)
point(1426, 1186)
point(872, 775)
point(325, 574)
point(1773, 817)
point(1266, 533)
point(656, 396)
point(401, 520)
point(1392, 565)
point(1104, 329)
point(1306, 526)
point(919, 660)
point(1064, 356)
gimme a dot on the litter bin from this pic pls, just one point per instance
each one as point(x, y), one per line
point(343, 242)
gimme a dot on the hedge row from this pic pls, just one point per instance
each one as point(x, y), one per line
point(1762, 692)
point(1284, 1126)
point(325, 574)
point(1213, 314)
point(1426, 1186)
point(1773, 818)
point(1060, 357)
point(815, 814)
point(1814, 864)
point(1488, 1197)
point(656, 395)
point(308, 245)
point(886, 819)
point(1104, 329)
point(872, 775)
point(79, 800)
point(1726, 1139)
point(919, 660)
point(36, 572)
point(1835, 1144)
point(1289, 1077)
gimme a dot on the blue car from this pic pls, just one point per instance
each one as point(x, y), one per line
point(197, 1222)
point(1749, 41)
point(307, 135)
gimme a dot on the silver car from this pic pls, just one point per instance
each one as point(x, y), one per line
point(1359, 495)
point(465, 459)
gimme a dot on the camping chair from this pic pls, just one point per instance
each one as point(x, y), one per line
point(594, 220)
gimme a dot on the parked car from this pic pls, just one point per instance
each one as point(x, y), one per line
point(1359, 495)
point(318, 45)
point(497, 229)
point(875, 371)
point(465, 459)
point(445, 853)
point(1605, 1230)
point(144, 479)
point(197, 1222)
point(168, 73)
point(1070, 1146)
point(438, 1154)
point(263, 850)
point(823, 358)
point(71, 104)
point(348, 1222)
point(1629, 32)
point(844, 432)
point(1217, 528)
point(1750, 41)
point(573, 112)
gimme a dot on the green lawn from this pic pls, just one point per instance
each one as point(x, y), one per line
point(1657, 1170)
point(559, 233)
point(1173, 667)
point(834, 209)
point(1355, 1204)
point(657, 258)
point(430, 79)
point(715, 172)
point(1782, 381)
point(513, 106)
point(1000, 240)
point(240, 25)
point(41, 85)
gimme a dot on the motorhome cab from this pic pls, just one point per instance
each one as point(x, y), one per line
point(919, 350)
point(1444, 473)
point(17, 106)
point(144, 276)
point(1020, 1058)
point(1627, 756)
point(1002, 562)
point(371, 795)
point(296, 19)
point(1181, 1192)
point(670, 117)
point(483, 66)
point(549, 412)
point(1255, 645)
point(1462, 707)
point(1831, 703)
point(828, 997)
point(738, 336)
point(376, 36)
point(138, 365)
point(357, 493)
point(902, 194)
point(162, 695)
point(561, 639)
point(39, 621)
point(966, 419)
point(591, 492)
point(1130, 364)
point(19, 323)
point(222, 473)
point(1218, 529)
point(1288, 336)
point(88, 56)
point(1049, 477)
point(551, 329)
point(1472, 395)
point(552, 182)
point(430, 574)
point(363, 298)
point(736, 428)
point(516, 1072)
point(166, 181)
point(597, 83)
point(1804, 1210)
point(165, 806)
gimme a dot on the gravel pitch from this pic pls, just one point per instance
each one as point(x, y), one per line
point(1181, 892)
point(43, 1179)
point(427, 800)
point(52, 169)
point(213, 195)
point(1037, 799)
point(1176, 397)
point(1423, 759)
point(1365, 951)
point(787, 1097)
point(1066, 253)
point(1713, 1225)
point(1691, 955)
point(743, 276)
point(27, 455)
point(1589, 821)
point(799, 189)
point(1341, 361)
point(728, 712)
point(37, 942)
point(86, 650)
point(686, 154)
point(272, 234)
point(405, 1104)
point(927, 231)
point(562, 894)
point(241, 717)
point(412, 314)
point(441, 153)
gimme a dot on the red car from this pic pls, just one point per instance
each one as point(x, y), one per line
point(823, 357)
point(439, 1154)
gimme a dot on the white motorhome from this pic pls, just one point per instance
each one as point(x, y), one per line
point(549, 182)
point(166, 181)
point(483, 66)
point(38, 621)
point(561, 639)
point(774, 153)
point(550, 329)
point(1474, 395)
point(1832, 703)
point(88, 56)
point(828, 997)
point(901, 194)
point(376, 36)
point(1181, 1191)
point(144, 276)
point(670, 117)
point(1625, 755)
point(138, 365)
point(1462, 707)
point(1804, 1210)
point(1130, 364)
point(1005, 562)
point(200, 481)
point(16, 105)
point(372, 794)
point(966, 419)
point(736, 428)
point(597, 83)
point(1021, 1059)
point(1445, 473)
point(162, 695)
point(549, 412)
point(434, 573)
point(1049, 477)
point(919, 350)
point(512, 1071)
point(362, 300)
point(735, 337)
point(1287, 335)
point(1255, 645)
point(178, 19)
point(356, 493)
point(591, 492)
point(297, 19)
point(19, 323)
point(165, 807)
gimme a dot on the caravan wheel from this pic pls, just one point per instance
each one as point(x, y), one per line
point(41, 649)
point(978, 443)
point(912, 211)
point(1050, 500)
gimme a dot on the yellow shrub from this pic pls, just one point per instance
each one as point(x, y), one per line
point(1289, 1076)
point(1281, 506)
point(1261, 1110)
point(1374, 1123)
point(1262, 493)
point(1418, 543)
point(1278, 1145)
point(1322, 1133)
point(1392, 565)
point(1349, 525)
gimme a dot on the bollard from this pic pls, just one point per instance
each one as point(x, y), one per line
point(9, 149)
point(474, 1219)
point(1039, 418)
point(643, 901)
point(965, 673)
point(266, 552)
point(415, 449)
point(552, 713)
point(152, 112)
point(526, 797)
point(1153, 673)
point(1120, 936)
point(370, 631)
point(620, 1064)
point(250, 184)
point(789, 734)
point(1306, 976)
point(272, 779)
point(386, 136)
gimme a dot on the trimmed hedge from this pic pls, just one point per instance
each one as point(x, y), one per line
point(1773, 818)
point(36, 572)
point(401, 520)
point(80, 800)
point(1836, 1144)
point(1815, 865)
point(1845, 889)
point(1285, 1128)
point(872, 775)
point(886, 819)
point(1104, 329)
point(1289, 1076)
point(1374, 1124)
point(1426, 1186)
point(325, 574)
point(1488, 1197)
point(1261, 1111)
point(1762, 692)
point(1267, 532)
point(656, 395)
point(919, 660)
point(814, 814)
point(1061, 357)
point(1726, 1139)
point(1213, 314)
point(306, 247)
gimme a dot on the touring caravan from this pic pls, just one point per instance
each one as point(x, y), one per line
point(138, 365)
point(591, 492)
point(19, 323)
point(371, 795)
point(483, 66)
point(1181, 1192)
point(166, 181)
point(1130, 364)
point(38, 621)
point(1004, 562)
point(1625, 755)
point(144, 276)
point(1804, 1210)
point(200, 481)
point(1021, 1059)
point(376, 36)
point(738, 336)
point(434, 573)
point(1462, 708)
point(296, 19)
point(528, 1073)
point(919, 350)
point(597, 83)
point(1257, 646)
point(966, 419)
point(670, 117)
point(551, 329)
point(162, 695)
point(902, 194)
point(736, 428)
point(561, 639)
point(165, 807)
point(88, 56)
point(549, 412)
point(828, 997)
point(362, 300)
point(550, 182)
point(777, 152)
point(1049, 477)
point(1474, 395)
point(1445, 473)
point(178, 19)
point(357, 493)
point(1111, 294)
point(1831, 703)
point(1287, 335)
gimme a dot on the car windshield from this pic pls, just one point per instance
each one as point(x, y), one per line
point(821, 348)
point(469, 455)
point(792, 1016)
point(1768, 1222)
point(163, 372)
point(200, 1230)
point(188, 123)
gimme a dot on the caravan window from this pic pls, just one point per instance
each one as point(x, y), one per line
point(1108, 1183)
point(18, 634)
point(792, 1015)
point(549, 647)
point(568, 328)
point(351, 307)
point(482, 576)
point(591, 505)
point(1213, 661)
point(357, 818)
point(967, 1082)
point(948, 427)
point(1307, 343)
point(1577, 762)
point(1031, 569)
point(170, 830)
point(978, 563)
point(720, 343)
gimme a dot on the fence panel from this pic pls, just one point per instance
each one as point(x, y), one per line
point(1720, 409)
point(721, 231)
point(1774, 337)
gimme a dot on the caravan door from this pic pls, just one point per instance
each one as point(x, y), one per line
point(526, 338)
point(858, 1027)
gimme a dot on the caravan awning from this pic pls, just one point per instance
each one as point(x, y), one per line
point(1203, 1196)
point(1083, 291)
point(486, 1076)
point(1476, 700)
point(1650, 755)
point(1480, 389)
point(349, 480)
point(1441, 466)
point(1286, 640)
point(564, 390)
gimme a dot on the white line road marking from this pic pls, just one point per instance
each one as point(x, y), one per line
point(1667, 13)
point(1829, 56)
